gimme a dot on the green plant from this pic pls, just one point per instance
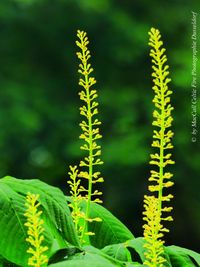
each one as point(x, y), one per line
point(89, 235)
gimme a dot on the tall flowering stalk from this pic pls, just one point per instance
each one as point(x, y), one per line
point(160, 179)
point(35, 229)
point(90, 135)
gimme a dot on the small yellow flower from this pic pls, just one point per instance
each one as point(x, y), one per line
point(35, 229)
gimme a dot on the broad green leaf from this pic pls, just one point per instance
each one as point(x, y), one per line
point(56, 216)
point(61, 254)
point(93, 250)
point(8, 264)
point(118, 251)
point(5, 263)
point(52, 201)
point(94, 258)
point(109, 231)
point(181, 257)
point(167, 263)
point(13, 232)
point(85, 260)
point(137, 245)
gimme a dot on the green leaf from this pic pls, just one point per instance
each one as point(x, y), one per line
point(86, 259)
point(137, 245)
point(133, 264)
point(109, 231)
point(181, 257)
point(8, 264)
point(61, 254)
point(94, 257)
point(118, 251)
point(52, 201)
point(13, 232)
point(56, 216)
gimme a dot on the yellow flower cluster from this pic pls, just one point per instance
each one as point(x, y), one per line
point(89, 126)
point(76, 190)
point(159, 178)
point(90, 135)
point(34, 232)
point(153, 232)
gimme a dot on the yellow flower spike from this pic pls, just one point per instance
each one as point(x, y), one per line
point(89, 126)
point(35, 229)
point(153, 205)
point(76, 190)
point(153, 233)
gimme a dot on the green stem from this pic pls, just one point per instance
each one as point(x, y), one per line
point(75, 200)
point(162, 131)
point(90, 162)
point(90, 167)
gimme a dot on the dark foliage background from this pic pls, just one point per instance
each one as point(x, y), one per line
point(39, 102)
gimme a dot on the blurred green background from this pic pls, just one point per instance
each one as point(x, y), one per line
point(39, 101)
